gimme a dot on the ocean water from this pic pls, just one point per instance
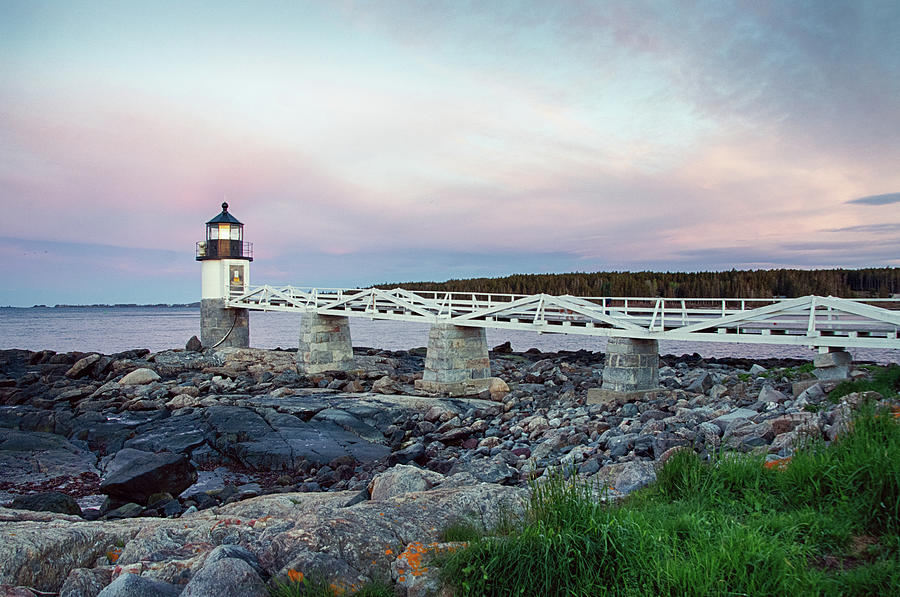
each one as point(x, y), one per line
point(109, 330)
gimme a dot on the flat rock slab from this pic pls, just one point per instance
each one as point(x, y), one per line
point(35, 457)
point(281, 441)
point(312, 532)
point(179, 434)
point(348, 422)
point(378, 410)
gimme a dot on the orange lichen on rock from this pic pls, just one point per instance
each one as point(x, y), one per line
point(342, 588)
point(778, 464)
point(411, 560)
point(295, 576)
point(113, 554)
point(226, 522)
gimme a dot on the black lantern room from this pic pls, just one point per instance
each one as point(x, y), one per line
point(224, 239)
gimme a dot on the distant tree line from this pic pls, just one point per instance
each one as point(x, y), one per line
point(859, 283)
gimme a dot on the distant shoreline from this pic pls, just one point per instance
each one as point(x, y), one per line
point(114, 306)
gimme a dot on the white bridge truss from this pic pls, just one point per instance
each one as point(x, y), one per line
point(813, 321)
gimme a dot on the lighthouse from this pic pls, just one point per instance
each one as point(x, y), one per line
point(225, 273)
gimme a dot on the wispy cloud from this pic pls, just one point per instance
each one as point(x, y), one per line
point(891, 228)
point(370, 141)
point(885, 199)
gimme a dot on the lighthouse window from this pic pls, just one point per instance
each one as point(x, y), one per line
point(213, 233)
point(235, 232)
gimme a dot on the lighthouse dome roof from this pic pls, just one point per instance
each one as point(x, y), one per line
point(224, 217)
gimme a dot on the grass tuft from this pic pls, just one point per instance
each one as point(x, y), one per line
point(884, 380)
point(461, 530)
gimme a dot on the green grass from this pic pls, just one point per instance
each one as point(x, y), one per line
point(790, 373)
point(828, 523)
point(884, 380)
point(461, 530)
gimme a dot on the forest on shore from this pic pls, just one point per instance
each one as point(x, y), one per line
point(847, 283)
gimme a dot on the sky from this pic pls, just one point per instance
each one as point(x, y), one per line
point(391, 141)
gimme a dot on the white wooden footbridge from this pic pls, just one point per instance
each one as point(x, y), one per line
point(813, 321)
point(457, 359)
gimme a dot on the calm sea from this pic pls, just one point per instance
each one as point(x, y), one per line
point(116, 329)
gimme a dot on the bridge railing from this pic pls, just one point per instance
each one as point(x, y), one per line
point(652, 317)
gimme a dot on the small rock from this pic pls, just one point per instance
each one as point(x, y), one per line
point(82, 366)
point(498, 389)
point(629, 409)
point(702, 384)
point(384, 385)
point(194, 344)
point(620, 445)
point(140, 377)
point(741, 413)
point(129, 510)
point(353, 386)
point(490, 471)
point(770, 394)
point(717, 391)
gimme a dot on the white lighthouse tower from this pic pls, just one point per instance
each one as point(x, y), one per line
point(225, 261)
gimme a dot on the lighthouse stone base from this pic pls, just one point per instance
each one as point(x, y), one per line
point(221, 327)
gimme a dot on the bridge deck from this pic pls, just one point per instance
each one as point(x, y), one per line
point(811, 320)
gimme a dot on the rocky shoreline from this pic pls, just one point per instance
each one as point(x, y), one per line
point(187, 467)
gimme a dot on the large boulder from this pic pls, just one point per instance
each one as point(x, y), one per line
point(85, 582)
point(634, 475)
point(226, 577)
point(132, 585)
point(402, 479)
point(135, 475)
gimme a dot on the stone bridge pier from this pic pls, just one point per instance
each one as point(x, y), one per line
point(457, 362)
point(324, 344)
point(631, 368)
point(832, 363)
